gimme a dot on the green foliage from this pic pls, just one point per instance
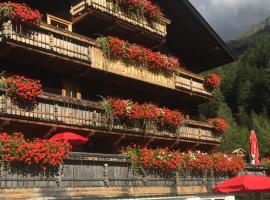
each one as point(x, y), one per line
point(244, 97)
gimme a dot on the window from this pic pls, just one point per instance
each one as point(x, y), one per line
point(59, 23)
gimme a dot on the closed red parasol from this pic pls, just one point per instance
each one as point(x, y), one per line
point(72, 138)
point(254, 149)
point(244, 184)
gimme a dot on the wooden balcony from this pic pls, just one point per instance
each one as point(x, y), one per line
point(97, 175)
point(103, 16)
point(75, 52)
point(81, 115)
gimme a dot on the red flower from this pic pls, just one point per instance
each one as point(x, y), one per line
point(136, 54)
point(212, 81)
point(20, 88)
point(40, 152)
point(144, 7)
point(169, 162)
point(20, 12)
point(128, 110)
point(219, 124)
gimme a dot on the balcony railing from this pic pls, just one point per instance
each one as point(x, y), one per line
point(65, 44)
point(98, 170)
point(97, 176)
point(81, 113)
point(191, 83)
point(108, 7)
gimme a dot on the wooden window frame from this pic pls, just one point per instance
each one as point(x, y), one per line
point(51, 18)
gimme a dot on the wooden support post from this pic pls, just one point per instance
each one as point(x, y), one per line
point(200, 133)
point(64, 92)
point(117, 142)
point(105, 174)
point(3, 124)
point(92, 132)
point(50, 132)
point(149, 141)
point(176, 143)
point(109, 27)
point(55, 112)
point(196, 145)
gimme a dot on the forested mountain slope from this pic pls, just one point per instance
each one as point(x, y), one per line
point(242, 42)
point(244, 96)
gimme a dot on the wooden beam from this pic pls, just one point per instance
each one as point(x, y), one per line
point(119, 139)
point(3, 124)
point(50, 132)
point(4, 50)
point(176, 143)
point(195, 146)
point(150, 140)
point(81, 17)
point(92, 132)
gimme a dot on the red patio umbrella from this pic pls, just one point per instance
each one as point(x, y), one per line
point(254, 149)
point(244, 184)
point(72, 138)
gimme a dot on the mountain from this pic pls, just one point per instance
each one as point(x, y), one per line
point(244, 95)
point(243, 41)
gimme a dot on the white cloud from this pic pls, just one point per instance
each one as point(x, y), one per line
point(230, 17)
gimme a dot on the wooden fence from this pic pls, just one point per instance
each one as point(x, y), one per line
point(93, 170)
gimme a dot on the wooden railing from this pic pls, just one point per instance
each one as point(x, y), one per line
point(48, 38)
point(57, 109)
point(94, 170)
point(79, 48)
point(109, 7)
point(191, 82)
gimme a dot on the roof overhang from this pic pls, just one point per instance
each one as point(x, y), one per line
point(192, 39)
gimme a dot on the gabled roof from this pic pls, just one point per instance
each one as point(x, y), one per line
point(193, 39)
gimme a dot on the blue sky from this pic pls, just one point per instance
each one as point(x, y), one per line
point(230, 17)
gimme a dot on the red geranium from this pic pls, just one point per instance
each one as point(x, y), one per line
point(22, 89)
point(133, 111)
point(44, 153)
point(169, 161)
point(219, 124)
point(212, 81)
point(133, 53)
point(20, 12)
point(265, 161)
point(143, 7)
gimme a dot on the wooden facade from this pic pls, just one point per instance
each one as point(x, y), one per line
point(86, 116)
point(65, 55)
point(49, 40)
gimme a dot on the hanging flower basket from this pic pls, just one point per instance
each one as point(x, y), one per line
point(141, 8)
point(219, 124)
point(212, 81)
point(23, 91)
point(19, 12)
